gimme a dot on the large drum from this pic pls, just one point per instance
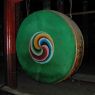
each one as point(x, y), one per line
point(49, 46)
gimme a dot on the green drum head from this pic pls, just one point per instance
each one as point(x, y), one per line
point(46, 46)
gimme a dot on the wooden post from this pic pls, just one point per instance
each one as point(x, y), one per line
point(10, 41)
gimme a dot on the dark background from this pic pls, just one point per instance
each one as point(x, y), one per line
point(2, 65)
point(86, 22)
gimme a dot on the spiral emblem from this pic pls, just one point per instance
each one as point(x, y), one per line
point(41, 47)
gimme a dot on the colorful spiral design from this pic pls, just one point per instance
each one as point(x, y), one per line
point(41, 47)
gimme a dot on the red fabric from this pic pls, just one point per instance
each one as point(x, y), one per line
point(17, 1)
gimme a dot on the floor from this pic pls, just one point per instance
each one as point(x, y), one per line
point(68, 87)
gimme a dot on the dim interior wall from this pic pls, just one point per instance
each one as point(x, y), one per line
point(86, 23)
point(85, 18)
point(2, 65)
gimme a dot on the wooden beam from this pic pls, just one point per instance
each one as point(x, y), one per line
point(13, 91)
point(84, 77)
